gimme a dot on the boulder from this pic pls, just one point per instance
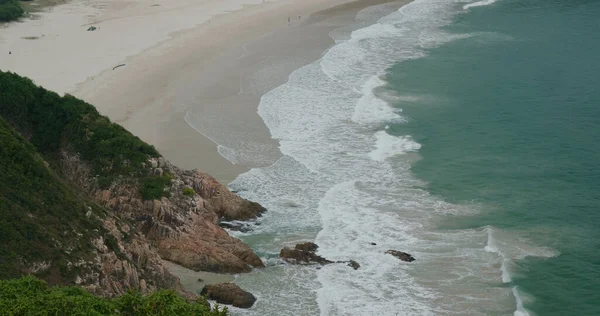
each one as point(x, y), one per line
point(307, 247)
point(230, 294)
point(303, 253)
point(353, 264)
point(401, 255)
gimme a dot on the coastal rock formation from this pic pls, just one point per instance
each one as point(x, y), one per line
point(230, 294)
point(302, 253)
point(353, 264)
point(401, 255)
point(184, 229)
point(101, 208)
point(134, 266)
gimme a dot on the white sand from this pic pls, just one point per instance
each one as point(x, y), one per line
point(66, 54)
point(212, 59)
point(193, 281)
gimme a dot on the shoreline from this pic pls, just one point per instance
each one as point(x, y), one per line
point(214, 68)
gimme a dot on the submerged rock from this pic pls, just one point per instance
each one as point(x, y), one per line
point(401, 255)
point(307, 247)
point(304, 253)
point(299, 256)
point(236, 226)
point(230, 294)
point(353, 264)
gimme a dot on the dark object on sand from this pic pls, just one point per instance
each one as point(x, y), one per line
point(92, 28)
point(117, 66)
point(200, 280)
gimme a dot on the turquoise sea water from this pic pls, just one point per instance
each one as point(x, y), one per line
point(509, 122)
point(462, 132)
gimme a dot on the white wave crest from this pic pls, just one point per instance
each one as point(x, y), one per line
point(388, 146)
point(478, 4)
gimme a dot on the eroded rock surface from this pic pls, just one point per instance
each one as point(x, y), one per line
point(401, 255)
point(230, 294)
point(182, 228)
point(302, 253)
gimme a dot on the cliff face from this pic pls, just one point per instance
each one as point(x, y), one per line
point(118, 208)
point(184, 228)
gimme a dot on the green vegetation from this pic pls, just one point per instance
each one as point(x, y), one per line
point(40, 217)
point(53, 123)
point(47, 225)
point(153, 187)
point(30, 296)
point(10, 10)
point(188, 192)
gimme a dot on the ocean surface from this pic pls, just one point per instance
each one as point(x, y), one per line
point(465, 133)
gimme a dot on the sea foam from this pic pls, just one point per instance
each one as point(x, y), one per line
point(336, 184)
point(478, 4)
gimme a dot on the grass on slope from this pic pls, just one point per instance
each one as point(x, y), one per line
point(41, 219)
point(52, 122)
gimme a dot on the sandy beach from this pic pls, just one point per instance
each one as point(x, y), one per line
point(193, 71)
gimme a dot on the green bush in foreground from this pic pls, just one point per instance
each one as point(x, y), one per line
point(30, 296)
point(10, 10)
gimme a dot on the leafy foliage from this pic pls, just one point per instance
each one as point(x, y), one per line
point(53, 122)
point(30, 296)
point(10, 10)
point(153, 187)
point(40, 217)
point(188, 192)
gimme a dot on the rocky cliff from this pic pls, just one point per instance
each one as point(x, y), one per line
point(116, 208)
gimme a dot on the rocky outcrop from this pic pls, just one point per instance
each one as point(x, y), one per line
point(230, 294)
point(353, 264)
point(183, 228)
point(131, 264)
point(401, 255)
point(302, 253)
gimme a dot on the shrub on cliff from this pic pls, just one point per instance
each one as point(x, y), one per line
point(188, 192)
point(152, 187)
point(10, 10)
point(30, 296)
point(40, 217)
point(53, 123)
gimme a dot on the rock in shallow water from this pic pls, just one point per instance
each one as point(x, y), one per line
point(230, 294)
point(401, 255)
point(307, 247)
point(353, 264)
point(300, 256)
